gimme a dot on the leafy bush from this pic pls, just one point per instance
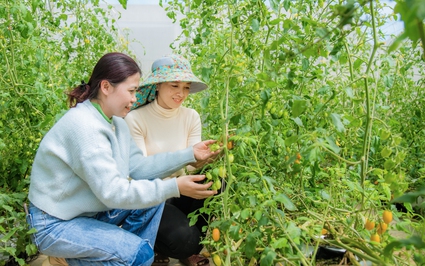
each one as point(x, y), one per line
point(47, 47)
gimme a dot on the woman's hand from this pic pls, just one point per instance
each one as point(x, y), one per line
point(203, 153)
point(188, 187)
point(200, 164)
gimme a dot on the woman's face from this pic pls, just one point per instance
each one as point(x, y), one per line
point(120, 98)
point(172, 94)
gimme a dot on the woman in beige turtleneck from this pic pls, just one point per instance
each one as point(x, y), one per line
point(158, 124)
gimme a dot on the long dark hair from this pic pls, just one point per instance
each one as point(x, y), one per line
point(113, 67)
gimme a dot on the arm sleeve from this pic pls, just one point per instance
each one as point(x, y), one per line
point(159, 165)
point(105, 175)
point(115, 169)
point(114, 191)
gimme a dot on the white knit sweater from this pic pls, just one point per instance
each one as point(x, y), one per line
point(84, 165)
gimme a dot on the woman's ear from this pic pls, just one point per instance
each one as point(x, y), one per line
point(105, 87)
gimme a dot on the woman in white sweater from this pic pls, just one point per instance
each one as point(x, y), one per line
point(159, 123)
point(95, 199)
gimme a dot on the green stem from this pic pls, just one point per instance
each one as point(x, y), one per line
point(265, 42)
point(350, 62)
point(339, 157)
point(368, 126)
point(420, 25)
point(254, 154)
point(364, 253)
point(11, 70)
point(325, 214)
point(224, 114)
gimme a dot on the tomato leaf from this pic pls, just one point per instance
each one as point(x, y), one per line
point(286, 4)
point(123, 3)
point(7, 236)
point(258, 214)
point(293, 231)
point(265, 95)
point(282, 198)
point(336, 120)
point(325, 194)
point(298, 121)
point(279, 243)
point(291, 140)
point(416, 241)
point(255, 25)
point(269, 258)
point(298, 107)
point(396, 43)
point(331, 144)
point(410, 197)
point(245, 213)
point(250, 245)
point(234, 232)
point(314, 154)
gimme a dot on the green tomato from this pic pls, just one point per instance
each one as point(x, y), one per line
point(384, 134)
point(389, 164)
point(397, 140)
point(231, 158)
point(390, 177)
point(222, 171)
point(269, 105)
point(385, 152)
point(214, 147)
point(216, 185)
point(208, 176)
point(215, 172)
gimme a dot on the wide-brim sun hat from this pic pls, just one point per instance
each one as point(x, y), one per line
point(169, 68)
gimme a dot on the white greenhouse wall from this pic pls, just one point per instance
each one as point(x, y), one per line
point(148, 30)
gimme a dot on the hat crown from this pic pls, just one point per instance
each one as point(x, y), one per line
point(170, 63)
point(170, 68)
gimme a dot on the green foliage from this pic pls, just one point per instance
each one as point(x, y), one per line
point(14, 232)
point(412, 12)
point(47, 47)
point(324, 123)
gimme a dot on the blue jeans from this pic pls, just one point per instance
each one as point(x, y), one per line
point(115, 237)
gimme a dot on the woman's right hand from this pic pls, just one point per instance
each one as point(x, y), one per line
point(202, 151)
point(188, 187)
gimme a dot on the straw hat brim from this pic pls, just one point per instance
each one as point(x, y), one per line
point(183, 76)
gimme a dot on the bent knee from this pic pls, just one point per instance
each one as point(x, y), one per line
point(145, 255)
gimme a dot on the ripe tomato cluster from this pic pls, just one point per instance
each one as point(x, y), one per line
point(298, 159)
point(381, 228)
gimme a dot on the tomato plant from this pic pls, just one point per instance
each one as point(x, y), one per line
point(313, 99)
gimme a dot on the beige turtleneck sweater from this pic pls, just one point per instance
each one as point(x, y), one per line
point(156, 129)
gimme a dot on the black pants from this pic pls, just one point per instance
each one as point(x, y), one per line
point(176, 239)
